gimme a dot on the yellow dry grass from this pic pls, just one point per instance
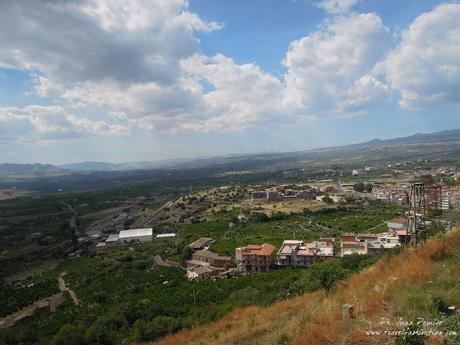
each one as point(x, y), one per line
point(315, 319)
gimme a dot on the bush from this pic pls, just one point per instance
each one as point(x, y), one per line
point(158, 327)
point(258, 217)
point(452, 324)
point(328, 273)
point(108, 329)
point(328, 200)
point(69, 335)
point(411, 336)
point(440, 305)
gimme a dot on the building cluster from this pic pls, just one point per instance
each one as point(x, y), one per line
point(367, 243)
point(294, 253)
point(255, 258)
point(282, 193)
point(205, 263)
point(450, 198)
point(399, 194)
point(394, 193)
point(132, 237)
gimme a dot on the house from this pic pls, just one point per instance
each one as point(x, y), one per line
point(100, 246)
point(112, 240)
point(135, 236)
point(396, 223)
point(308, 194)
point(299, 254)
point(366, 237)
point(350, 245)
point(201, 243)
point(273, 195)
point(402, 235)
point(384, 242)
point(347, 187)
point(200, 272)
point(398, 227)
point(329, 188)
point(256, 257)
point(208, 258)
point(368, 243)
point(287, 255)
point(259, 195)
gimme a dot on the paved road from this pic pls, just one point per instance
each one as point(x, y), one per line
point(151, 219)
point(73, 220)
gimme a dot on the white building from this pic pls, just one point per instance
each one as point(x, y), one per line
point(136, 235)
point(295, 253)
point(167, 236)
point(112, 240)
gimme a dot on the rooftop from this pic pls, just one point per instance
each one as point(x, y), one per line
point(112, 238)
point(258, 249)
point(398, 220)
point(136, 233)
point(211, 255)
point(170, 234)
point(200, 243)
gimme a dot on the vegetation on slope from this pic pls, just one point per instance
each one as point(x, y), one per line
point(127, 298)
point(397, 288)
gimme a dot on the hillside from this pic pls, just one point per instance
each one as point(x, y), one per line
point(15, 171)
point(416, 146)
point(399, 286)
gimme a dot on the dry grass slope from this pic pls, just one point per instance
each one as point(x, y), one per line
point(315, 319)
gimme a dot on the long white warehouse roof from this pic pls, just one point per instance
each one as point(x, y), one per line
point(135, 233)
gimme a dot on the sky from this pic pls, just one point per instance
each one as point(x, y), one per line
point(145, 80)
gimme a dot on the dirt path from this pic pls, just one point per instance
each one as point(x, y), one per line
point(47, 304)
point(63, 287)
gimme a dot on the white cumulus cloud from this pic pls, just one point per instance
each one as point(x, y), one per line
point(425, 67)
point(328, 68)
point(336, 6)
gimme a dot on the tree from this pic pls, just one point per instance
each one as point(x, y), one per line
point(108, 329)
point(328, 200)
point(186, 253)
point(369, 187)
point(158, 327)
point(69, 335)
point(259, 217)
point(359, 187)
point(328, 273)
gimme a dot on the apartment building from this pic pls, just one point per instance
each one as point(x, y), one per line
point(295, 253)
point(255, 257)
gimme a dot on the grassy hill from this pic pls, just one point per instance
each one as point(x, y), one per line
point(400, 288)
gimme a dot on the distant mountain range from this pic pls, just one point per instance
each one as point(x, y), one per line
point(29, 170)
point(431, 145)
point(105, 166)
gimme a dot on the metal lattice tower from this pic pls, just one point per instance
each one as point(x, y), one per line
point(417, 209)
point(433, 207)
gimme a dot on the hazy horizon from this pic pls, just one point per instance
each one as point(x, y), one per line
point(209, 156)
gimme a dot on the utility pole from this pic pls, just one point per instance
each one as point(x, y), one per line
point(194, 305)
